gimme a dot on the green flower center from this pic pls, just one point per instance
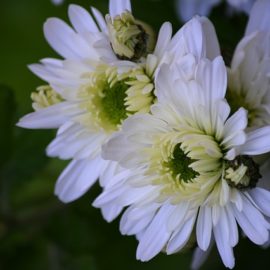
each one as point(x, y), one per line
point(113, 102)
point(178, 165)
point(110, 97)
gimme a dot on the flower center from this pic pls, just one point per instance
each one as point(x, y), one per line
point(106, 96)
point(178, 165)
point(113, 102)
point(110, 97)
point(242, 172)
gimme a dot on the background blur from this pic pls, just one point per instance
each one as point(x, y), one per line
point(36, 230)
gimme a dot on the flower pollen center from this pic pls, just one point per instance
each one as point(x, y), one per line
point(178, 165)
point(109, 97)
point(113, 102)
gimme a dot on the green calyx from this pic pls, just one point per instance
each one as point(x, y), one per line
point(179, 165)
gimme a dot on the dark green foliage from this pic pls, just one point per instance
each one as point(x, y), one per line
point(7, 112)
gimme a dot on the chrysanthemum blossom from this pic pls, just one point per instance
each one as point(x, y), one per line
point(193, 171)
point(188, 8)
point(92, 91)
point(249, 75)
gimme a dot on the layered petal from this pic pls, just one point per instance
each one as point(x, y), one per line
point(77, 178)
point(50, 117)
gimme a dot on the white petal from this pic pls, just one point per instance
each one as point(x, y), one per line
point(231, 154)
point(216, 214)
point(262, 198)
point(163, 83)
point(51, 117)
point(204, 227)
point(164, 37)
point(123, 194)
point(75, 141)
point(233, 133)
point(239, 54)
point(211, 40)
point(188, 40)
point(52, 62)
point(111, 195)
point(193, 36)
point(259, 19)
point(118, 149)
point(111, 211)
point(155, 237)
point(77, 178)
point(178, 216)
point(117, 7)
point(66, 42)
point(225, 250)
point(257, 142)
point(119, 176)
point(236, 198)
point(180, 237)
point(135, 220)
point(252, 222)
point(56, 76)
point(113, 174)
point(81, 19)
point(58, 35)
point(100, 19)
point(212, 76)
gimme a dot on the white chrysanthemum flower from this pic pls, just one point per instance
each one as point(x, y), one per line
point(188, 8)
point(92, 92)
point(193, 174)
point(249, 75)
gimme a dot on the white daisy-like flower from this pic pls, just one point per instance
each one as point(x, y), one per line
point(91, 92)
point(249, 74)
point(193, 173)
point(186, 9)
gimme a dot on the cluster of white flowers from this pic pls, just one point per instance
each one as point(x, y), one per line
point(177, 140)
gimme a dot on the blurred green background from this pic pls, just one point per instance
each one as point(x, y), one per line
point(36, 230)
